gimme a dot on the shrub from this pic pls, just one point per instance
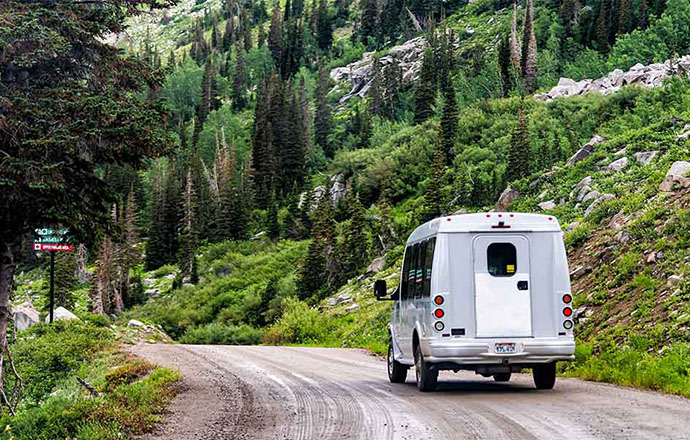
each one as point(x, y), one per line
point(299, 324)
point(127, 373)
point(224, 334)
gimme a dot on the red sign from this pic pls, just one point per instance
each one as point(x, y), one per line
point(53, 247)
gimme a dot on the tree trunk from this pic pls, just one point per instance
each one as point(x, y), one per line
point(8, 264)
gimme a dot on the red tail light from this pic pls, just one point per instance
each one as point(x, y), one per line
point(438, 300)
point(567, 298)
point(439, 313)
point(567, 311)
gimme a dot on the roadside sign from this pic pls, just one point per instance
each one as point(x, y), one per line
point(52, 240)
point(53, 247)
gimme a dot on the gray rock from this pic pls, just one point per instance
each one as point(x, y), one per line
point(646, 157)
point(152, 293)
point(506, 198)
point(340, 299)
point(623, 237)
point(338, 189)
point(62, 314)
point(351, 308)
point(547, 206)
point(618, 221)
point(572, 226)
point(171, 276)
point(25, 316)
point(676, 175)
point(597, 202)
point(592, 195)
point(543, 194)
point(148, 282)
point(586, 150)
point(651, 258)
point(584, 182)
point(618, 165)
point(674, 280)
point(621, 152)
point(376, 265)
point(616, 77)
point(135, 323)
point(577, 271)
point(582, 193)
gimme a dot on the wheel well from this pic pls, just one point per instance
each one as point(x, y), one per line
point(415, 342)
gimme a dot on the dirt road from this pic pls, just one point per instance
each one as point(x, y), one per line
point(319, 393)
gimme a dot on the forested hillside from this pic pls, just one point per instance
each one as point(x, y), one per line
point(300, 141)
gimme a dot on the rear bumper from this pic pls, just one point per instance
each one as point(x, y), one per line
point(481, 351)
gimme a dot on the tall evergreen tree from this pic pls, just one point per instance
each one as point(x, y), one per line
point(644, 17)
point(425, 93)
point(275, 35)
point(514, 46)
point(603, 26)
point(209, 98)
point(231, 204)
point(261, 38)
point(624, 12)
point(368, 26)
point(246, 29)
point(434, 203)
point(324, 28)
point(229, 34)
point(320, 267)
point(375, 95)
point(322, 117)
point(65, 279)
point(189, 235)
point(519, 155)
point(505, 66)
point(355, 243)
point(449, 122)
point(529, 50)
point(262, 158)
point(239, 102)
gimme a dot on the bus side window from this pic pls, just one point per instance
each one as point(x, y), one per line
point(419, 273)
point(412, 270)
point(428, 262)
point(404, 285)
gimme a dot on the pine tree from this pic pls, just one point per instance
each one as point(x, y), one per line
point(246, 29)
point(324, 28)
point(319, 268)
point(275, 35)
point(514, 46)
point(65, 279)
point(216, 40)
point(624, 17)
point(170, 215)
point(154, 244)
point(209, 99)
point(172, 63)
point(375, 95)
point(529, 50)
point(231, 203)
point(392, 87)
point(505, 66)
point(239, 102)
point(449, 122)
point(519, 153)
point(261, 38)
point(292, 157)
point(189, 234)
point(425, 93)
point(567, 15)
point(355, 243)
point(368, 21)
point(322, 117)
point(603, 26)
point(644, 18)
point(262, 158)
point(229, 34)
point(434, 203)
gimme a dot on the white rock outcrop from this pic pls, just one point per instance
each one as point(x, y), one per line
point(679, 173)
point(652, 75)
point(62, 314)
point(25, 316)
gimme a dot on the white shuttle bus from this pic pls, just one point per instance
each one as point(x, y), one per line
point(486, 292)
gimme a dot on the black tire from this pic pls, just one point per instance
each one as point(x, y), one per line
point(427, 377)
point(544, 376)
point(397, 372)
point(502, 377)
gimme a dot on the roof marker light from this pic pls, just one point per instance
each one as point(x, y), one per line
point(550, 218)
point(488, 215)
point(512, 215)
point(448, 218)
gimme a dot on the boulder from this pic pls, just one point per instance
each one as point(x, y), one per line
point(135, 323)
point(676, 175)
point(376, 265)
point(674, 280)
point(623, 237)
point(617, 165)
point(584, 182)
point(351, 308)
point(618, 221)
point(148, 282)
point(582, 193)
point(592, 195)
point(543, 194)
point(586, 150)
point(25, 316)
point(651, 258)
point(646, 157)
point(616, 77)
point(62, 314)
point(340, 299)
point(152, 293)
point(506, 198)
point(572, 226)
point(338, 189)
point(621, 152)
point(547, 206)
point(597, 202)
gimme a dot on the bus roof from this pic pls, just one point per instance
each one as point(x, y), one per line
point(486, 222)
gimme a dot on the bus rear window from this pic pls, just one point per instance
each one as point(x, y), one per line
point(501, 259)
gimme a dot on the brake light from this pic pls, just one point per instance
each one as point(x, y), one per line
point(438, 300)
point(439, 313)
point(567, 298)
point(567, 311)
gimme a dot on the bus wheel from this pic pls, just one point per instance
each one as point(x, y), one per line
point(427, 377)
point(502, 377)
point(544, 375)
point(397, 372)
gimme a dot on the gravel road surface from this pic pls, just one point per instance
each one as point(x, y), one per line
point(233, 392)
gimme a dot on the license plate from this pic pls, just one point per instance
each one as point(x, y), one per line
point(505, 347)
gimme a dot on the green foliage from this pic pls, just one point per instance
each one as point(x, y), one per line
point(222, 334)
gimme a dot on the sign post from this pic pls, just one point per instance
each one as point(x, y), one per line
point(52, 240)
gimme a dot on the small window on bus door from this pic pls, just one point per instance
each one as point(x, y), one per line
point(501, 259)
point(419, 272)
point(428, 263)
point(404, 285)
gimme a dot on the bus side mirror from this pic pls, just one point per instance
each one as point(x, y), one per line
point(380, 289)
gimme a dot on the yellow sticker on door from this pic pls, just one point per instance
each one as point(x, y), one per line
point(510, 268)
